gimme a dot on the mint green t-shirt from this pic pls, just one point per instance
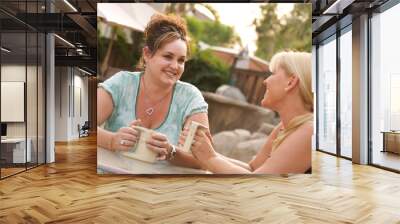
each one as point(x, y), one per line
point(123, 88)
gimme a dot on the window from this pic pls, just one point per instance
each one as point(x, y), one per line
point(346, 93)
point(385, 87)
point(22, 68)
point(327, 96)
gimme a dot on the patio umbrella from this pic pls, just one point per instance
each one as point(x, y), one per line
point(130, 15)
point(133, 16)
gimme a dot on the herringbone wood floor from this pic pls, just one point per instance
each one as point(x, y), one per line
point(70, 191)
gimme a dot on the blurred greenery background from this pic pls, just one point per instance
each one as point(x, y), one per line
point(204, 69)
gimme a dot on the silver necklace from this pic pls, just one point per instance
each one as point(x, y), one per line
point(149, 110)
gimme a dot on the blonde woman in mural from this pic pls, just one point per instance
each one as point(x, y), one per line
point(155, 98)
point(288, 148)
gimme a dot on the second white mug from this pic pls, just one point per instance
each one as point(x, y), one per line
point(189, 138)
point(140, 150)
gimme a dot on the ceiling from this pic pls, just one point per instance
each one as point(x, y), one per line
point(330, 15)
point(76, 25)
point(75, 21)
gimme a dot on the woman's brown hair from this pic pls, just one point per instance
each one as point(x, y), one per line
point(163, 29)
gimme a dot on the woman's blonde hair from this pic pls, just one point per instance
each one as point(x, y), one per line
point(299, 64)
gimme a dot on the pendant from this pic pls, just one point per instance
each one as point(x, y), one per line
point(149, 111)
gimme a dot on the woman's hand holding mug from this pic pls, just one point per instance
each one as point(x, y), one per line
point(160, 145)
point(202, 148)
point(126, 137)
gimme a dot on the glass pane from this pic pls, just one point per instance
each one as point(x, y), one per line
point(314, 78)
point(327, 97)
point(31, 97)
point(32, 73)
point(346, 94)
point(13, 85)
point(385, 89)
point(22, 77)
point(41, 99)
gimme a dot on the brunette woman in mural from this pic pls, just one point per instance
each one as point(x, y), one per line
point(288, 148)
point(155, 98)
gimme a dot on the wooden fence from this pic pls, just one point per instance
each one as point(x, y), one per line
point(250, 83)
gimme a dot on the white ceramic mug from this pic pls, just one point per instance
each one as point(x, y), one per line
point(192, 132)
point(140, 150)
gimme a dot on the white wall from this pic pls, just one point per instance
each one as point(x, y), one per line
point(81, 82)
point(14, 73)
point(61, 103)
point(69, 85)
point(34, 125)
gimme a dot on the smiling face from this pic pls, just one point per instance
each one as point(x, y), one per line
point(167, 63)
point(276, 89)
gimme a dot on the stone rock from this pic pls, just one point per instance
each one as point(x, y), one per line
point(242, 134)
point(227, 114)
point(231, 92)
point(266, 128)
point(239, 144)
point(257, 135)
point(226, 141)
point(245, 151)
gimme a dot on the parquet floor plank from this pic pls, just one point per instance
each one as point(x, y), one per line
point(70, 191)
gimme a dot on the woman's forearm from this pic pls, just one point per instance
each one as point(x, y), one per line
point(186, 160)
point(219, 164)
point(104, 138)
point(237, 162)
